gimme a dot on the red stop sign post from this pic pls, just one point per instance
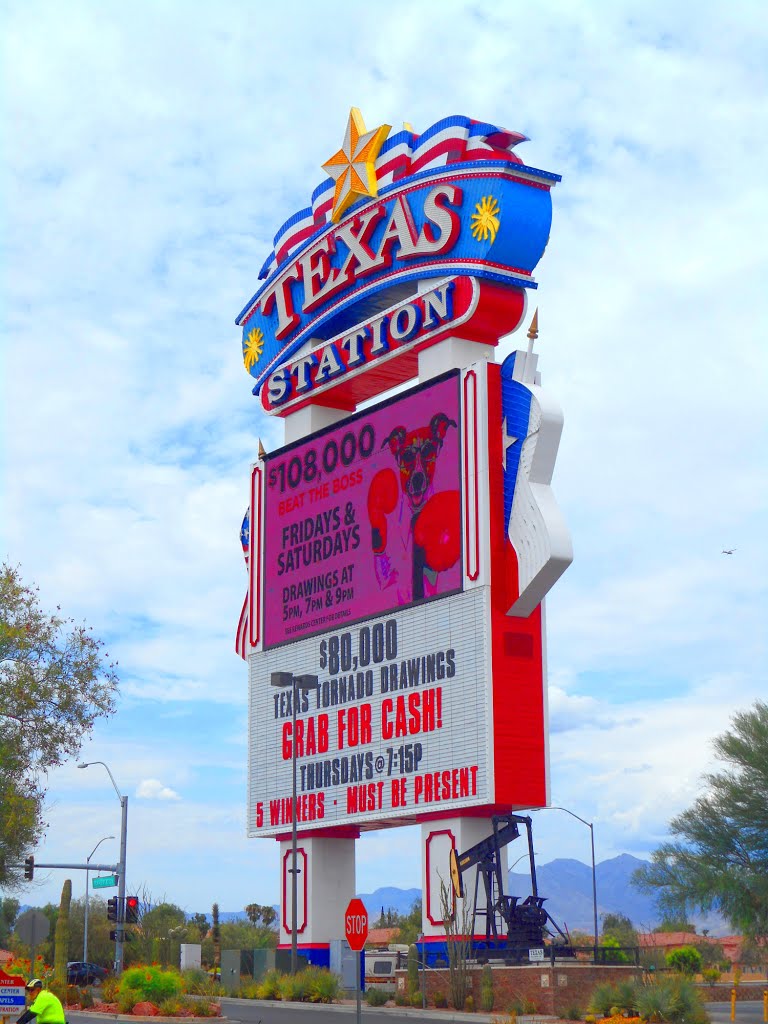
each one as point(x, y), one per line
point(356, 932)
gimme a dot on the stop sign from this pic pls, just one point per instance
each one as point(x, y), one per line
point(356, 924)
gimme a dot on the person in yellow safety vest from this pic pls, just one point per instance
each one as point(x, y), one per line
point(45, 1007)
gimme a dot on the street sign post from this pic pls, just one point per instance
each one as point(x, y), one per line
point(104, 881)
point(12, 995)
point(356, 932)
point(32, 927)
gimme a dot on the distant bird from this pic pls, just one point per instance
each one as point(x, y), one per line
point(727, 551)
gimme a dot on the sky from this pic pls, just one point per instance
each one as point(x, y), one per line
point(152, 151)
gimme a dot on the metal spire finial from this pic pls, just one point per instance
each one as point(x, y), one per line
point(262, 452)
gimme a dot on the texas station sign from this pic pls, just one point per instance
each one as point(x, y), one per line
point(401, 554)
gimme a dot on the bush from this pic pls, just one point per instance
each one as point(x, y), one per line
point(150, 983)
point(198, 982)
point(572, 1013)
point(401, 998)
point(613, 954)
point(126, 1000)
point(440, 1000)
point(324, 986)
point(171, 1007)
point(416, 999)
point(270, 985)
point(469, 1004)
point(672, 999)
point(85, 998)
point(609, 999)
point(109, 989)
point(376, 997)
point(711, 975)
point(293, 987)
point(249, 991)
point(486, 988)
point(686, 960)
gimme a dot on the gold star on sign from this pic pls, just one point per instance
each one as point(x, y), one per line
point(353, 168)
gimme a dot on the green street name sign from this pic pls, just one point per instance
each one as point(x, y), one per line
point(104, 882)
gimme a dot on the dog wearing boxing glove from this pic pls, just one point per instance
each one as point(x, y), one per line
point(432, 534)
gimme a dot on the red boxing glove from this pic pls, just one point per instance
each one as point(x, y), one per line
point(438, 530)
point(382, 498)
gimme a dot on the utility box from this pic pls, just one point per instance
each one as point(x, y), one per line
point(230, 970)
point(343, 961)
point(189, 955)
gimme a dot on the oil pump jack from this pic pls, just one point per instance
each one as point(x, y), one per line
point(527, 921)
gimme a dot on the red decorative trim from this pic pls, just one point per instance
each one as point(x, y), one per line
point(287, 858)
point(441, 832)
point(471, 537)
point(254, 560)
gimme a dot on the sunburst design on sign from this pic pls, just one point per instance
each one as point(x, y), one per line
point(253, 347)
point(485, 221)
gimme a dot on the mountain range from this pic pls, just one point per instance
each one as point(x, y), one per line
point(567, 886)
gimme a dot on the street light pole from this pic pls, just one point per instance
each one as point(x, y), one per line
point(120, 930)
point(87, 872)
point(594, 873)
point(298, 684)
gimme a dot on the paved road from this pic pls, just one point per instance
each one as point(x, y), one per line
point(247, 1011)
point(747, 1012)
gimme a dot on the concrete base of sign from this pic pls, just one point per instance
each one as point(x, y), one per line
point(306, 421)
point(437, 839)
point(326, 884)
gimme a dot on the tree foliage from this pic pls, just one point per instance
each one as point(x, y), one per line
point(620, 929)
point(55, 682)
point(686, 960)
point(719, 860)
point(261, 914)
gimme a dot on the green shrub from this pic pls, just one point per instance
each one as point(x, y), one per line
point(126, 1000)
point(85, 998)
point(572, 1013)
point(469, 1004)
point(249, 991)
point(401, 998)
point(151, 983)
point(686, 960)
point(171, 1007)
point(270, 985)
point(607, 995)
point(673, 999)
point(440, 1000)
point(293, 987)
point(198, 982)
point(711, 975)
point(416, 999)
point(486, 988)
point(376, 996)
point(109, 989)
point(71, 995)
point(324, 986)
point(613, 954)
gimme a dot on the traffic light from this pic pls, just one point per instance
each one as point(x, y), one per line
point(29, 868)
point(131, 909)
point(113, 909)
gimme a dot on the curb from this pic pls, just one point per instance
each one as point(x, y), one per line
point(130, 1016)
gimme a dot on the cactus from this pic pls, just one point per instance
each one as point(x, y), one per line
point(62, 935)
point(486, 988)
point(413, 969)
point(216, 934)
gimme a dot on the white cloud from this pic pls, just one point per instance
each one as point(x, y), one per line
point(153, 789)
point(156, 149)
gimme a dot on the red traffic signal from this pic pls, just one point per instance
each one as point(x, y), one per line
point(131, 909)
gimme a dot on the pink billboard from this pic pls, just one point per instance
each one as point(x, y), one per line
point(365, 517)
